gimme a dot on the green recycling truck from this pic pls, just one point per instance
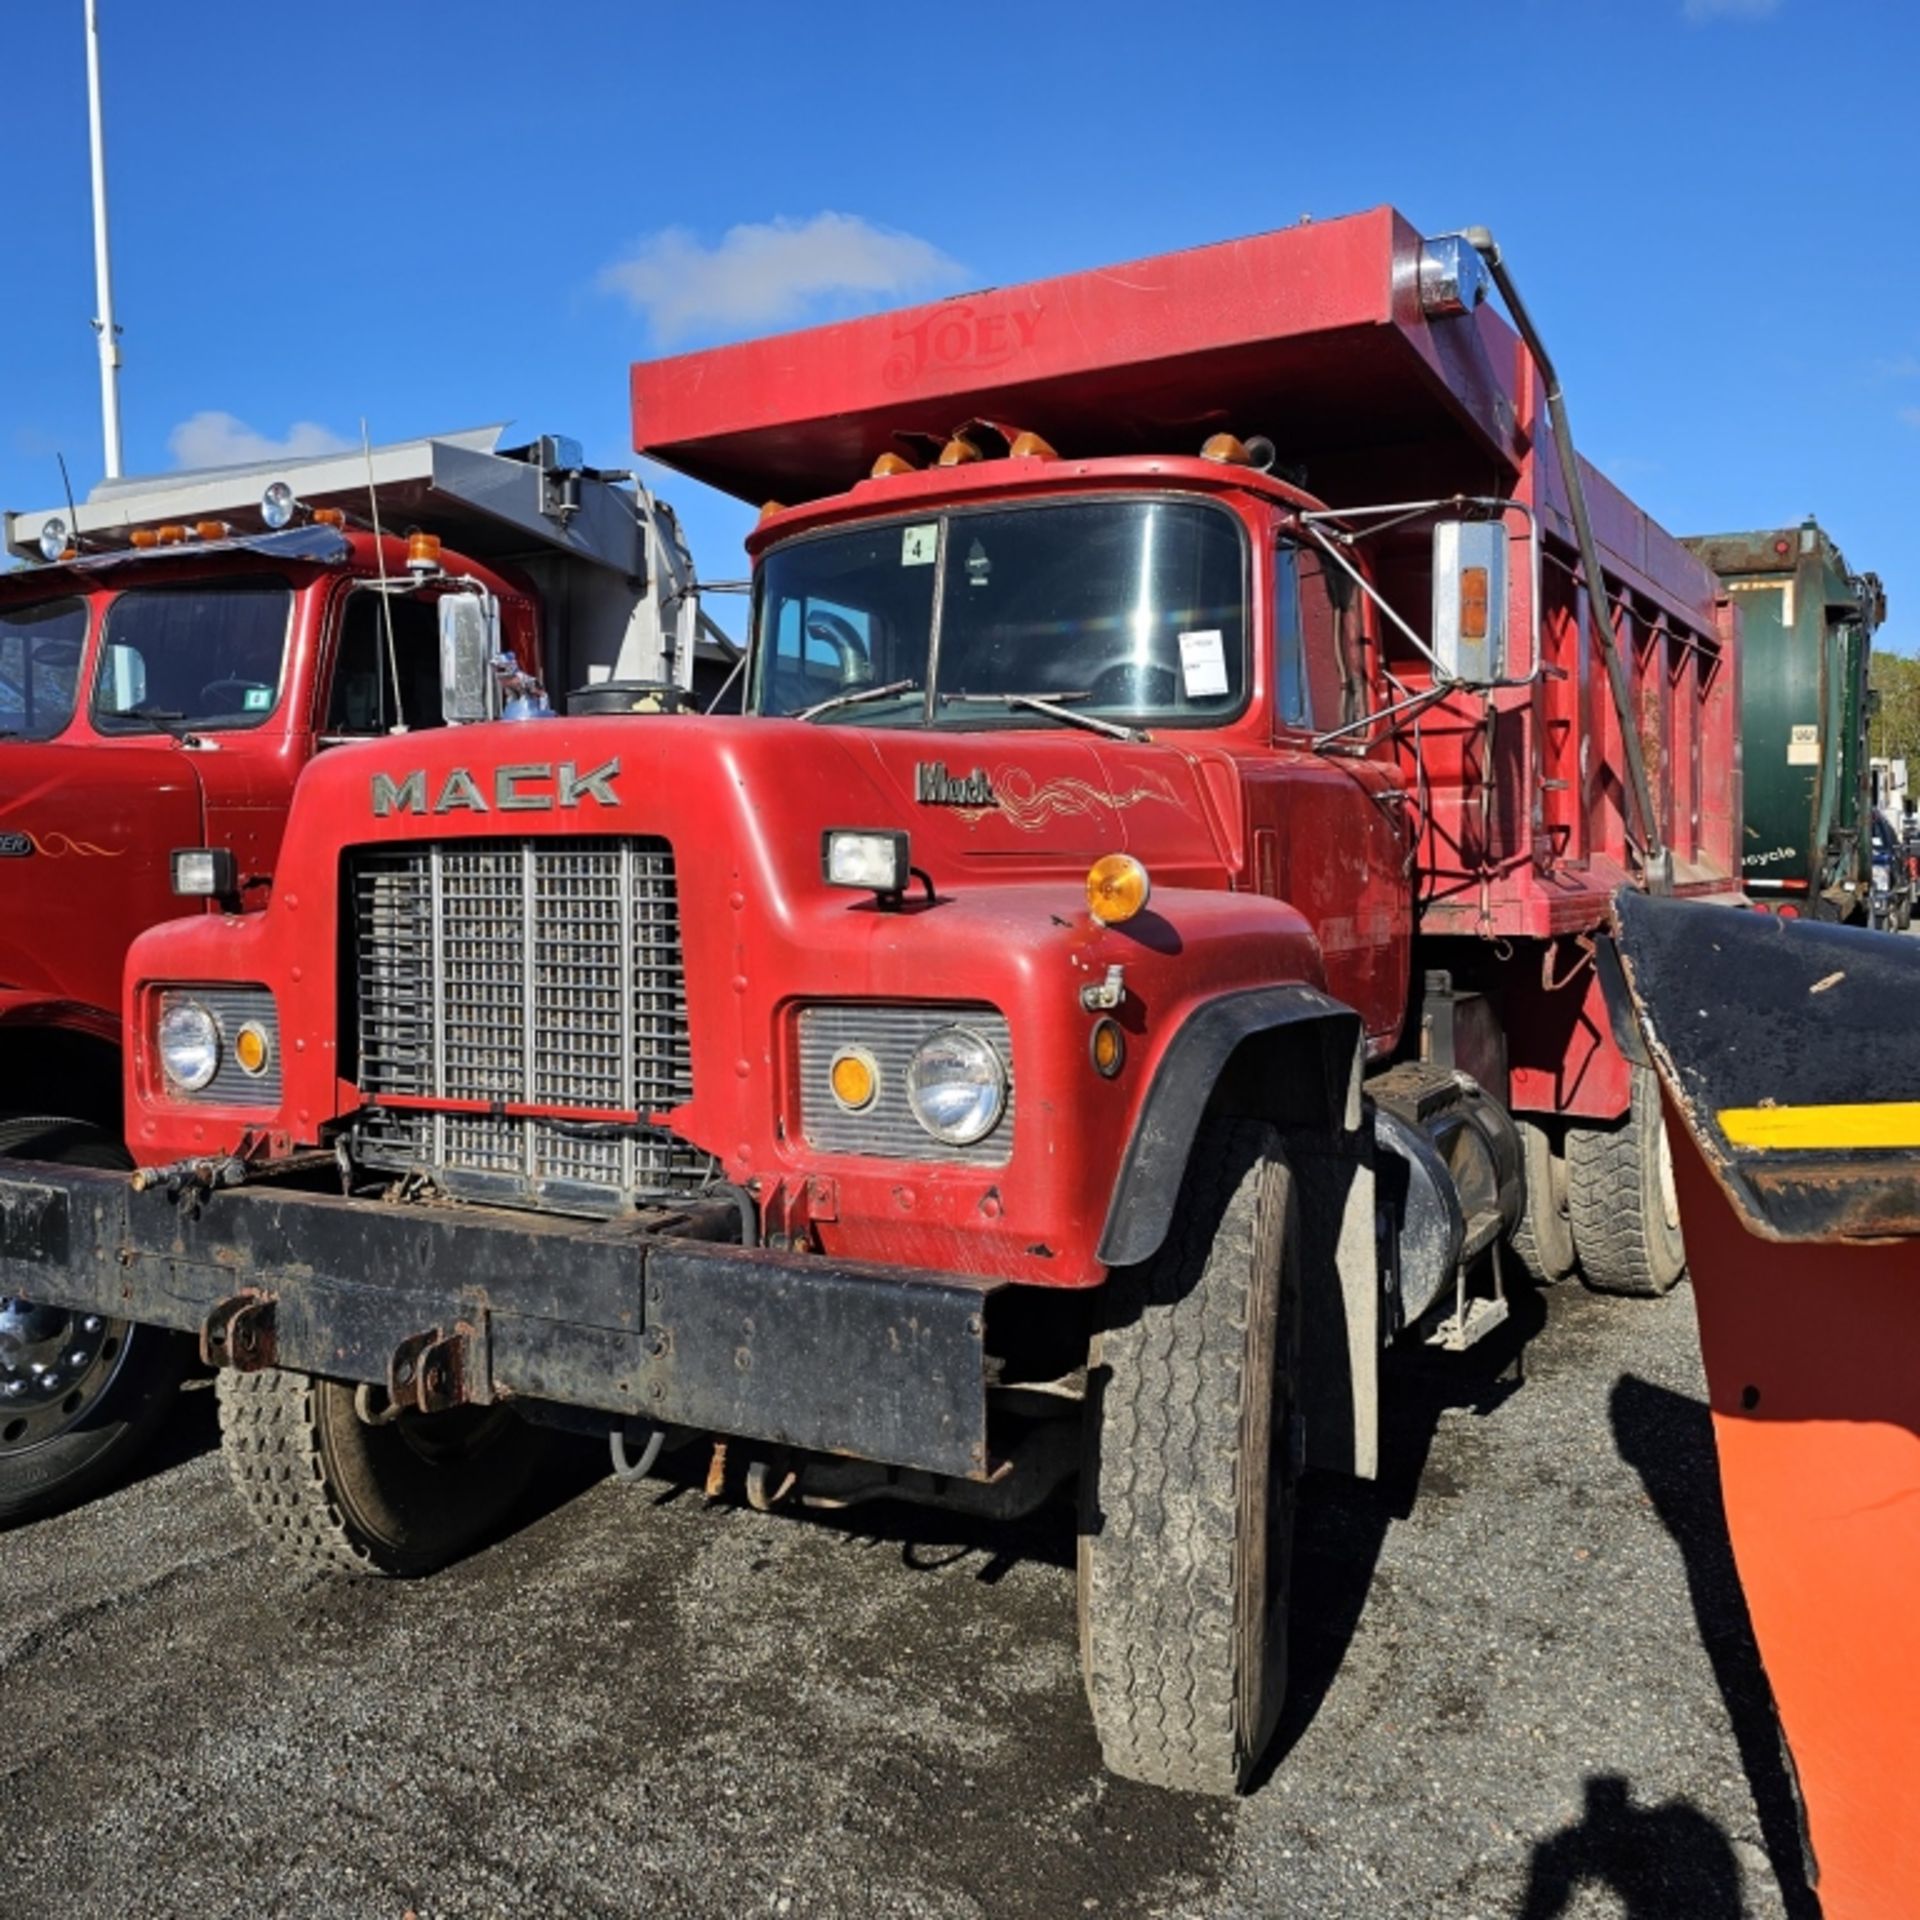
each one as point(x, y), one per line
point(1806, 625)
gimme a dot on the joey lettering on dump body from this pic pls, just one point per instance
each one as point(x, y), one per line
point(533, 787)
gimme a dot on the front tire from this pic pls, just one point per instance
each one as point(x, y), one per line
point(1187, 1488)
point(335, 1493)
point(80, 1394)
point(1620, 1194)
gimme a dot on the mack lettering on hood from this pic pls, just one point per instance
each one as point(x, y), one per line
point(530, 787)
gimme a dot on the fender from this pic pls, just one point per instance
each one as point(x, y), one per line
point(1155, 1163)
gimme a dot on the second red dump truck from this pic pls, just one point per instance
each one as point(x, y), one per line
point(1135, 957)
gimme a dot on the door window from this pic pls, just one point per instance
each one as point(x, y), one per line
point(40, 649)
point(361, 699)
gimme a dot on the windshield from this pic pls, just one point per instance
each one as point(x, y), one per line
point(40, 648)
point(1130, 609)
point(205, 656)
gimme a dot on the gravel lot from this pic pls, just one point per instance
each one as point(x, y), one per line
point(1524, 1686)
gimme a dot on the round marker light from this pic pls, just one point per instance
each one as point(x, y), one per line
point(189, 1045)
point(1117, 888)
point(277, 505)
point(854, 1078)
point(53, 539)
point(957, 1087)
point(253, 1049)
point(1108, 1046)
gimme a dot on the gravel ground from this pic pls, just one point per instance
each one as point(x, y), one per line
point(1523, 1685)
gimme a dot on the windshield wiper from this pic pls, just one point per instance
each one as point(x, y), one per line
point(161, 717)
point(1049, 704)
point(858, 698)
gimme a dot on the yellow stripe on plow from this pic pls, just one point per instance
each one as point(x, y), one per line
point(1887, 1124)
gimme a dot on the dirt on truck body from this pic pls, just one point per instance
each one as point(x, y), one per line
point(1134, 958)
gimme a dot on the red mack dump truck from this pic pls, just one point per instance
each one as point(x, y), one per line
point(1135, 957)
point(172, 656)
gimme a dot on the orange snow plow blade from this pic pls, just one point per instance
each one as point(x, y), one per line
point(1789, 1053)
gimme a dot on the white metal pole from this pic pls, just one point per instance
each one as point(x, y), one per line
point(109, 334)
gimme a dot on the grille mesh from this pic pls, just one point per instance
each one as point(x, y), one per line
point(540, 973)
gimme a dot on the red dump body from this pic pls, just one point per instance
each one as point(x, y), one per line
point(1313, 336)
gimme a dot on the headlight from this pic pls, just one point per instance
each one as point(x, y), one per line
point(957, 1086)
point(189, 1045)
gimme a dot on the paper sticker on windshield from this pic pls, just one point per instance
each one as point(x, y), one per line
point(1803, 747)
point(918, 545)
point(1203, 663)
point(257, 699)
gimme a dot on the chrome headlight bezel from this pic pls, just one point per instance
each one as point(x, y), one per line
point(957, 1086)
point(187, 1043)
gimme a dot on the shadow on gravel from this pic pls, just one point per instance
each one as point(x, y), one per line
point(189, 1430)
point(1667, 1438)
point(1660, 1862)
point(1342, 1524)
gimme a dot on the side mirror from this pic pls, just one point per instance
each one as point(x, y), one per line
point(1470, 611)
point(469, 630)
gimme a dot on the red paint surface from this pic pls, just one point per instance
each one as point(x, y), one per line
point(1811, 1371)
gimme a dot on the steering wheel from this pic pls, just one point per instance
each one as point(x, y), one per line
point(1134, 685)
point(210, 694)
point(856, 670)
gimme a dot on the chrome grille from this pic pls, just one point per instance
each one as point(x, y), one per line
point(537, 973)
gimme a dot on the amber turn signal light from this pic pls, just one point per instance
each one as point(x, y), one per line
point(854, 1079)
point(1117, 888)
point(1108, 1046)
point(252, 1049)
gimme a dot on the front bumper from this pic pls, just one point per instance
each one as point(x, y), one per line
point(449, 1304)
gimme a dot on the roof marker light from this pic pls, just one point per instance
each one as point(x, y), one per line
point(889, 464)
point(1030, 446)
point(960, 452)
point(329, 517)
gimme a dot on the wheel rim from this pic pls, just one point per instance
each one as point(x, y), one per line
point(55, 1369)
point(1669, 1193)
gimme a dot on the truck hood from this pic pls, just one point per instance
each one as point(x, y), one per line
point(1000, 801)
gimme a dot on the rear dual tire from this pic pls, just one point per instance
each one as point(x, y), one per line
point(1622, 1201)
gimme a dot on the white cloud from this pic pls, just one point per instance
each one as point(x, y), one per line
point(769, 272)
point(215, 439)
point(1699, 12)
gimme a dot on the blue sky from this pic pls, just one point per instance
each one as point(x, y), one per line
point(434, 214)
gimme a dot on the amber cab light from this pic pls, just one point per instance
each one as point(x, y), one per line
point(211, 529)
point(1228, 449)
point(1117, 888)
point(144, 537)
point(423, 553)
point(171, 536)
point(1031, 446)
point(889, 464)
point(330, 516)
point(960, 452)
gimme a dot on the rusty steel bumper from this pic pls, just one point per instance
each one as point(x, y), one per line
point(448, 1305)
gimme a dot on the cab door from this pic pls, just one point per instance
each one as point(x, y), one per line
point(1329, 818)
